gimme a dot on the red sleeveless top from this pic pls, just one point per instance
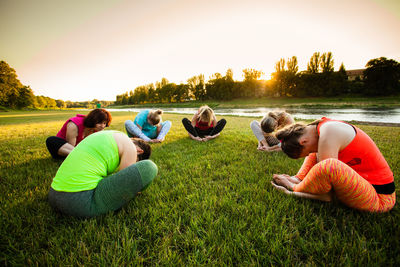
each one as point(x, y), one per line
point(363, 156)
point(78, 120)
point(204, 125)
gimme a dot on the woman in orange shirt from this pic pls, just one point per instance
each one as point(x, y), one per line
point(340, 160)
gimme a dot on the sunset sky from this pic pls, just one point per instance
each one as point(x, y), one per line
point(85, 49)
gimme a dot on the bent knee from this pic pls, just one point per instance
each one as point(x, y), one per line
point(254, 124)
point(148, 171)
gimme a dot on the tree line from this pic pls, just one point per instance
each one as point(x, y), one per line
point(381, 77)
point(15, 95)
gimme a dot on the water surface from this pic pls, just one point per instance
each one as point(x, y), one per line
point(389, 115)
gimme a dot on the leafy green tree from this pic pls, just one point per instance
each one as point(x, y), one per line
point(250, 86)
point(314, 63)
point(342, 69)
point(151, 93)
point(326, 63)
point(167, 92)
point(252, 74)
point(197, 87)
point(125, 99)
point(220, 87)
point(60, 103)
point(9, 86)
point(382, 77)
point(181, 93)
point(292, 65)
point(285, 80)
point(26, 97)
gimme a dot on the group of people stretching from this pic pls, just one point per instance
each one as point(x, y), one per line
point(103, 170)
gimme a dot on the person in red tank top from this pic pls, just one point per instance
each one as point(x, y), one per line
point(204, 125)
point(75, 129)
point(340, 160)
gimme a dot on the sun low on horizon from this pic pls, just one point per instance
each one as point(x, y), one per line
point(84, 50)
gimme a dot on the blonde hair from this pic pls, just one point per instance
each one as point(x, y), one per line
point(206, 114)
point(272, 121)
point(155, 116)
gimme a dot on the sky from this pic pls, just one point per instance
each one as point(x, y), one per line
point(81, 50)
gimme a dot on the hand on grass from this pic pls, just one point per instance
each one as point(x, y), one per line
point(283, 180)
point(267, 148)
point(281, 188)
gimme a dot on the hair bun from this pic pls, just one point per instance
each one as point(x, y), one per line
point(159, 111)
point(283, 134)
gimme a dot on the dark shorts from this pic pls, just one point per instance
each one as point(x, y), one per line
point(53, 144)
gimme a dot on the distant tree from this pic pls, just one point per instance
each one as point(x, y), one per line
point(342, 69)
point(167, 92)
point(326, 63)
point(285, 80)
point(382, 77)
point(292, 65)
point(229, 74)
point(41, 101)
point(181, 93)
point(280, 65)
point(26, 97)
point(50, 102)
point(314, 63)
point(151, 93)
point(252, 74)
point(221, 87)
point(60, 103)
point(197, 87)
point(251, 85)
point(9, 86)
point(125, 99)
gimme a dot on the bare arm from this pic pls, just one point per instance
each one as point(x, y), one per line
point(72, 133)
point(324, 197)
point(266, 147)
point(195, 118)
point(286, 183)
point(215, 120)
point(126, 150)
point(289, 119)
point(140, 127)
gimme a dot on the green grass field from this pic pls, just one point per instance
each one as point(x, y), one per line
point(211, 204)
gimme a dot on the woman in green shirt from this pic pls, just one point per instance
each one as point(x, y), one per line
point(101, 174)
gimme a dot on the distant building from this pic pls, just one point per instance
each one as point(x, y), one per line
point(353, 74)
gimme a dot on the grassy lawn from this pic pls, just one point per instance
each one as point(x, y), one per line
point(211, 204)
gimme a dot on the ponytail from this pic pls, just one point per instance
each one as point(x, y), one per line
point(155, 116)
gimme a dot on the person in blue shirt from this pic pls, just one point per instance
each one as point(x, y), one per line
point(148, 126)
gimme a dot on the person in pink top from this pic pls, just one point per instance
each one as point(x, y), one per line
point(75, 129)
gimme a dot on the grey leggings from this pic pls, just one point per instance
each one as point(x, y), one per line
point(111, 193)
point(258, 132)
point(132, 130)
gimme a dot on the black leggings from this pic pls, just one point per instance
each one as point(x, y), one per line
point(53, 144)
point(196, 132)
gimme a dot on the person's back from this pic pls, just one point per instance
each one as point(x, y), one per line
point(101, 174)
point(94, 158)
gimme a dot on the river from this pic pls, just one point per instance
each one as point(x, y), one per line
point(391, 115)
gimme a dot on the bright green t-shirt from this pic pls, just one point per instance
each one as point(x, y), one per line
point(90, 161)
